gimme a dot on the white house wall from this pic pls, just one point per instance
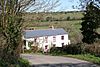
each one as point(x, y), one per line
point(58, 42)
point(42, 41)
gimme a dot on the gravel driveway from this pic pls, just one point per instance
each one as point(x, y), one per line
point(55, 61)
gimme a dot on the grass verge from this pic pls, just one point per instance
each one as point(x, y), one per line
point(15, 63)
point(87, 57)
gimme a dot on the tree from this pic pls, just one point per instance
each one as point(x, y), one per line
point(90, 23)
point(11, 24)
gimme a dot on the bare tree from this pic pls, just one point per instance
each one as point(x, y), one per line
point(11, 24)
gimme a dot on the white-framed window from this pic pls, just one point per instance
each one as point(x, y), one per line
point(62, 37)
point(54, 38)
point(46, 39)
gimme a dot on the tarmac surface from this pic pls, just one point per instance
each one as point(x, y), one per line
point(55, 61)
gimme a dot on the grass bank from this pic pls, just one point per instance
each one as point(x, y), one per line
point(87, 57)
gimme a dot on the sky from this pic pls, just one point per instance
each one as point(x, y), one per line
point(66, 5)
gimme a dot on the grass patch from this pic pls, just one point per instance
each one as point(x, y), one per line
point(23, 63)
point(87, 57)
point(15, 63)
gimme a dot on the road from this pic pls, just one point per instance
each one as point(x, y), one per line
point(55, 61)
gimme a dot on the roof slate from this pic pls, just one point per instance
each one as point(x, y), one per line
point(40, 33)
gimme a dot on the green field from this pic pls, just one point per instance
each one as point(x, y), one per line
point(31, 17)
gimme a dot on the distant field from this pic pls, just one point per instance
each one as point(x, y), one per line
point(31, 17)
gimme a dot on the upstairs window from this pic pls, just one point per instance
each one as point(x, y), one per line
point(35, 39)
point(62, 37)
point(46, 39)
point(54, 39)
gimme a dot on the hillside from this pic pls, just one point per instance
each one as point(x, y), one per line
point(59, 20)
point(52, 16)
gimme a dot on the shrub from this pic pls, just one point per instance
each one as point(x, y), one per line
point(69, 49)
point(79, 48)
point(75, 49)
point(56, 51)
point(93, 49)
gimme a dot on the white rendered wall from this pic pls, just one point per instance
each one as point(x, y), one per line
point(58, 42)
point(42, 41)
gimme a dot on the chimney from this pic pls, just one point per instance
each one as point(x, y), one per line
point(52, 27)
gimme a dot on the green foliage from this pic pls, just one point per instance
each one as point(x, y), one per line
point(81, 51)
point(75, 49)
point(68, 49)
point(87, 57)
point(53, 16)
point(91, 22)
point(23, 63)
point(10, 31)
point(28, 51)
point(56, 51)
point(14, 63)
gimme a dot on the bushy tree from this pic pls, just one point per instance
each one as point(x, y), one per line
point(11, 25)
point(90, 23)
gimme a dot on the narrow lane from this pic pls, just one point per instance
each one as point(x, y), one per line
point(55, 61)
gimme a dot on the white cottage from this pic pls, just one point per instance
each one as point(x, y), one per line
point(47, 38)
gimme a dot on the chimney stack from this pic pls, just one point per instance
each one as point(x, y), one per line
point(52, 27)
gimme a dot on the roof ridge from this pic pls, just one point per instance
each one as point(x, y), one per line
point(47, 32)
point(44, 29)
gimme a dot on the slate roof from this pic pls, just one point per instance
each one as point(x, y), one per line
point(40, 33)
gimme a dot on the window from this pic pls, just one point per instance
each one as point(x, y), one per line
point(54, 39)
point(46, 39)
point(62, 44)
point(46, 46)
point(62, 37)
point(35, 39)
